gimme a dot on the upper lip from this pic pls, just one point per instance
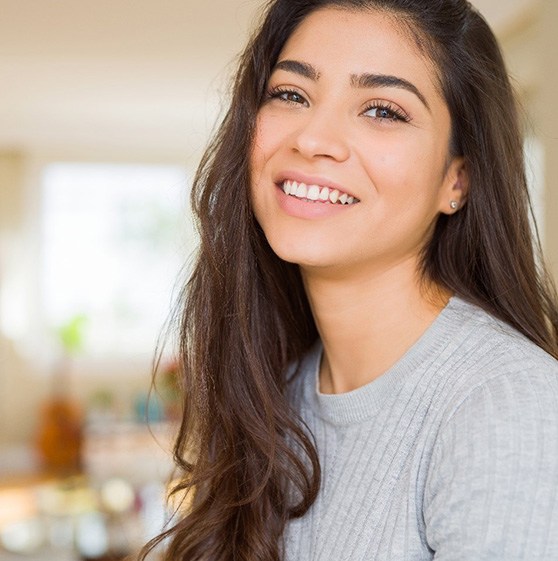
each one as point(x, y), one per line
point(300, 177)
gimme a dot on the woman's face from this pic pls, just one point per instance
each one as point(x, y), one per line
point(350, 165)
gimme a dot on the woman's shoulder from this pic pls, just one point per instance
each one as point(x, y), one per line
point(496, 344)
point(493, 467)
point(492, 359)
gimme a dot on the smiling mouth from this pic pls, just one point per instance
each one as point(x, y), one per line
point(317, 193)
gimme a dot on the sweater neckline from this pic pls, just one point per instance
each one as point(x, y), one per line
point(366, 401)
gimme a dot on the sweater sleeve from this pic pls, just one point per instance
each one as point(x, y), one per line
point(492, 488)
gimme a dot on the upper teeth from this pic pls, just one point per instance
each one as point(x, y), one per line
point(316, 192)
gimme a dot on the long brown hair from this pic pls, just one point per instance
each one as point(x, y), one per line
point(248, 464)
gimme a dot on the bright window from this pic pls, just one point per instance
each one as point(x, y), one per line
point(114, 240)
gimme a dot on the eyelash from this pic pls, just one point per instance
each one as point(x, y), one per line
point(396, 114)
point(278, 92)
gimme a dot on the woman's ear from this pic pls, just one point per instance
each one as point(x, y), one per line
point(456, 186)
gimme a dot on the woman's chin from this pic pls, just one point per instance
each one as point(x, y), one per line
point(306, 256)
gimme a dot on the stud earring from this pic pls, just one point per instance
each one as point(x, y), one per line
point(454, 205)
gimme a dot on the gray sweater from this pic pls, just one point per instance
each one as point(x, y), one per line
point(450, 455)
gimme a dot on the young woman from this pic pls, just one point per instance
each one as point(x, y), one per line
point(369, 340)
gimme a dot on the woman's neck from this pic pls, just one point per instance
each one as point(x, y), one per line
point(367, 322)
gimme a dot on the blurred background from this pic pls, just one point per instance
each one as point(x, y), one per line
point(105, 108)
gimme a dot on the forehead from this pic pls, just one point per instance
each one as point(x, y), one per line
point(359, 41)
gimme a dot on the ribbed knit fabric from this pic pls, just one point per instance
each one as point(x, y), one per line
point(450, 455)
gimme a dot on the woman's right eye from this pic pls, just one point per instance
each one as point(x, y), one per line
point(288, 96)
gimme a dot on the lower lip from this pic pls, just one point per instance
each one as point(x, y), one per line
point(303, 208)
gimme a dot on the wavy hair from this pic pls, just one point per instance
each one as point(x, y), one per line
point(248, 465)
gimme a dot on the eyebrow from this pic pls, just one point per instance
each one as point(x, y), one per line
point(302, 68)
point(386, 81)
point(365, 80)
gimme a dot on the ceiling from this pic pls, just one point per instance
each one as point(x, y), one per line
point(128, 76)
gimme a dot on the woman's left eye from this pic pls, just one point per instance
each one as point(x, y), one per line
point(386, 112)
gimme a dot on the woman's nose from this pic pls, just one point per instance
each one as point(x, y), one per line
point(321, 137)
